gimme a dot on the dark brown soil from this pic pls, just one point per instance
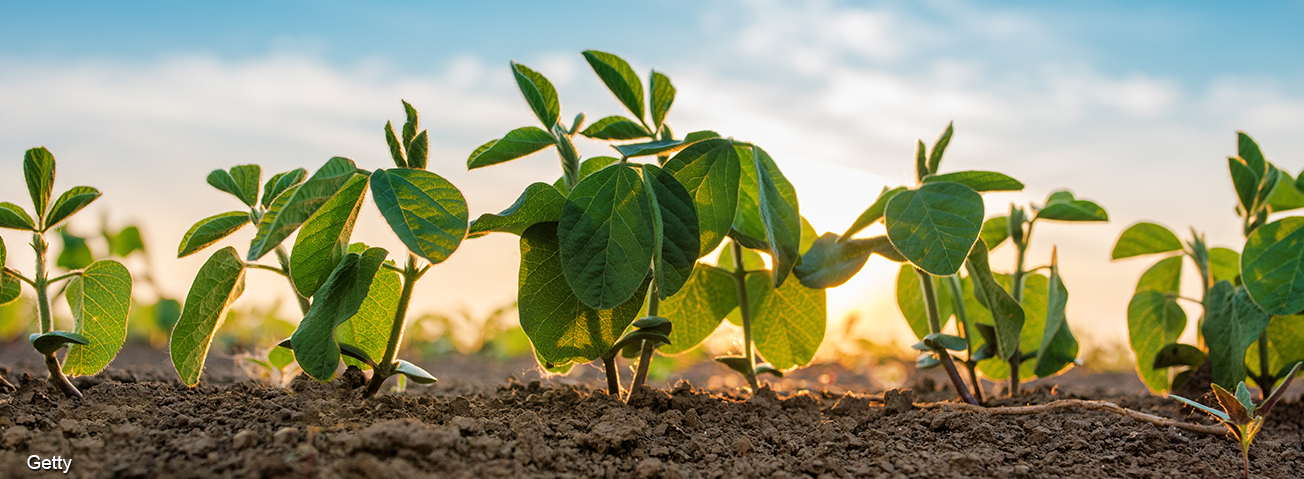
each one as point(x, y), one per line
point(147, 425)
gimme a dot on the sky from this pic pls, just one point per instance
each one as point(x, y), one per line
point(1132, 105)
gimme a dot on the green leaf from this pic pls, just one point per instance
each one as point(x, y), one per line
point(561, 328)
point(211, 230)
point(654, 147)
point(338, 300)
point(1164, 277)
point(606, 236)
point(935, 226)
point(38, 170)
point(978, 180)
point(587, 167)
point(100, 299)
point(872, 214)
point(1213, 412)
point(241, 181)
point(1154, 319)
point(1231, 323)
point(619, 78)
point(280, 182)
point(710, 171)
point(539, 203)
point(426, 211)
point(751, 259)
point(75, 253)
point(1285, 345)
point(294, 206)
point(11, 288)
point(699, 307)
point(418, 151)
point(369, 329)
point(1245, 181)
point(13, 217)
point(936, 341)
point(280, 357)
point(1062, 206)
point(127, 241)
point(615, 128)
point(1249, 151)
point(516, 144)
point(1177, 354)
point(1145, 238)
point(1224, 263)
point(1007, 314)
point(395, 148)
point(413, 372)
point(663, 95)
point(776, 204)
point(678, 238)
point(1035, 301)
point(995, 231)
point(411, 125)
point(939, 147)
point(910, 301)
point(921, 161)
point(324, 238)
point(219, 282)
point(830, 263)
point(70, 202)
point(1272, 265)
point(788, 322)
point(1059, 348)
point(1285, 196)
point(539, 93)
point(55, 340)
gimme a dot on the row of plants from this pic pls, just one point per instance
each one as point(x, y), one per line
point(651, 249)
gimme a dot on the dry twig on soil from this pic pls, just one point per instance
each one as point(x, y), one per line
point(1088, 405)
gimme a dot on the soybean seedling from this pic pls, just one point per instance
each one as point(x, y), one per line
point(1242, 417)
point(98, 294)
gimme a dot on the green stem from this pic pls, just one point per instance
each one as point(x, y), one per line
point(1265, 379)
point(745, 310)
point(385, 367)
point(935, 326)
point(613, 375)
point(62, 277)
point(1016, 291)
point(41, 284)
point(265, 268)
point(20, 277)
point(957, 303)
point(645, 355)
point(284, 258)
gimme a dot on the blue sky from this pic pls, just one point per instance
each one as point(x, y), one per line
point(1133, 105)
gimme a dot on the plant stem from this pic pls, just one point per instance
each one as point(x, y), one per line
point(1016, 291)
point(42, 283)
point(385, 368)
point(957, 302)
point(745, 310)
point(1265, 379)
point(284, 259)
point(935, 326)
point(645, 355)
point(613, 375)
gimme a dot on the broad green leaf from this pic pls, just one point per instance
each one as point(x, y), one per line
point(411, 124)
point(1062, 206)
point(1177, 354)
point(75, 254)
point(699, 308)
point(710, 171)
point(910, 300)
point(788, 322)
point(872, 214)
point(418, 151)
point(1272, 266)
point(38, 170)
point(100, 299)
point(55, 340)
point(1145, 238)
point(11, 288)
point(1248, 150)
point(1285, 345)
point(752, 260)
point(127, 241)
point(517, 143)
point(995, 231)
point(339, 299)
point(294, 206)
point(1008, 316)
point(615, 128)
point(70, 202)
point(426, 211)
point(780, 214)
point(678, 239)
point(1059, 348)
point(936, 225)
point(1225, 264)
point(369, 329)
point(241, 181)
point(649, 148)
point(1036, 289)
point(1154, 319)
point(587, 167)
point(13, 217)
point(606, 237)
point(279, 357)
point(1285, 196)
point(1231, 323)
point(539, 93)
point(1245, 181)
point(663, 95)
point(830, 263)
point(539, 203)
point(413, 372)
point(211, 230)
point(395, 148)
point(1267, 184)
point(619, 78)
point(978, 180)
point(939, 147)
point(324, 238)
point(1164, 277)
point(808, 236)
point(219, 282)
point(280, 182)
point(561, 328)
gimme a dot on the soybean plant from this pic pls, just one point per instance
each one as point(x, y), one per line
point(98, 294)
point(1242, 417)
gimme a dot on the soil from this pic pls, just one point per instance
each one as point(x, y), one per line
point(143, 423)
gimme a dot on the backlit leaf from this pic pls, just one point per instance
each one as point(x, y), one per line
point(70, 202)
point(935, 226)
point(830, 263)
point(663, 95)
point(418, 151)
point(517, 143)
point(75, 254)
point(1059, 348)
point(1164, 277)
point(426, 211)
point(788, 322)
point(127, 241)
point(1285, 196)
point(872, 214)
point(100, 300)
point(1248, 150)
point(38, 171)
point(411, 124)
point(780, 214)
point(211, 230)
point(369, 329)
point(241, 181)
point(1062, 206)
point(13, 217)
point(395, 148)
point(219, 282)
point(619, 78)
point(910, 301)
point(1224, 263)
point(324, 238)
point(1154, 319)
point(615, 128)
point(539, 93)
point(698, 308)
point(995, 231)
point(1145, 238)
point(1177, 354)
point(979, 180)
point(340, 298)
point(1244, 180)
point(280, 182)
point(1272, 265)
point(710, 171)
point(1231, 323)
point(1008, 314)
point(293, 207)
point(606, 237)
point(939, 148)
point(679, 246)
point(539, 203)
